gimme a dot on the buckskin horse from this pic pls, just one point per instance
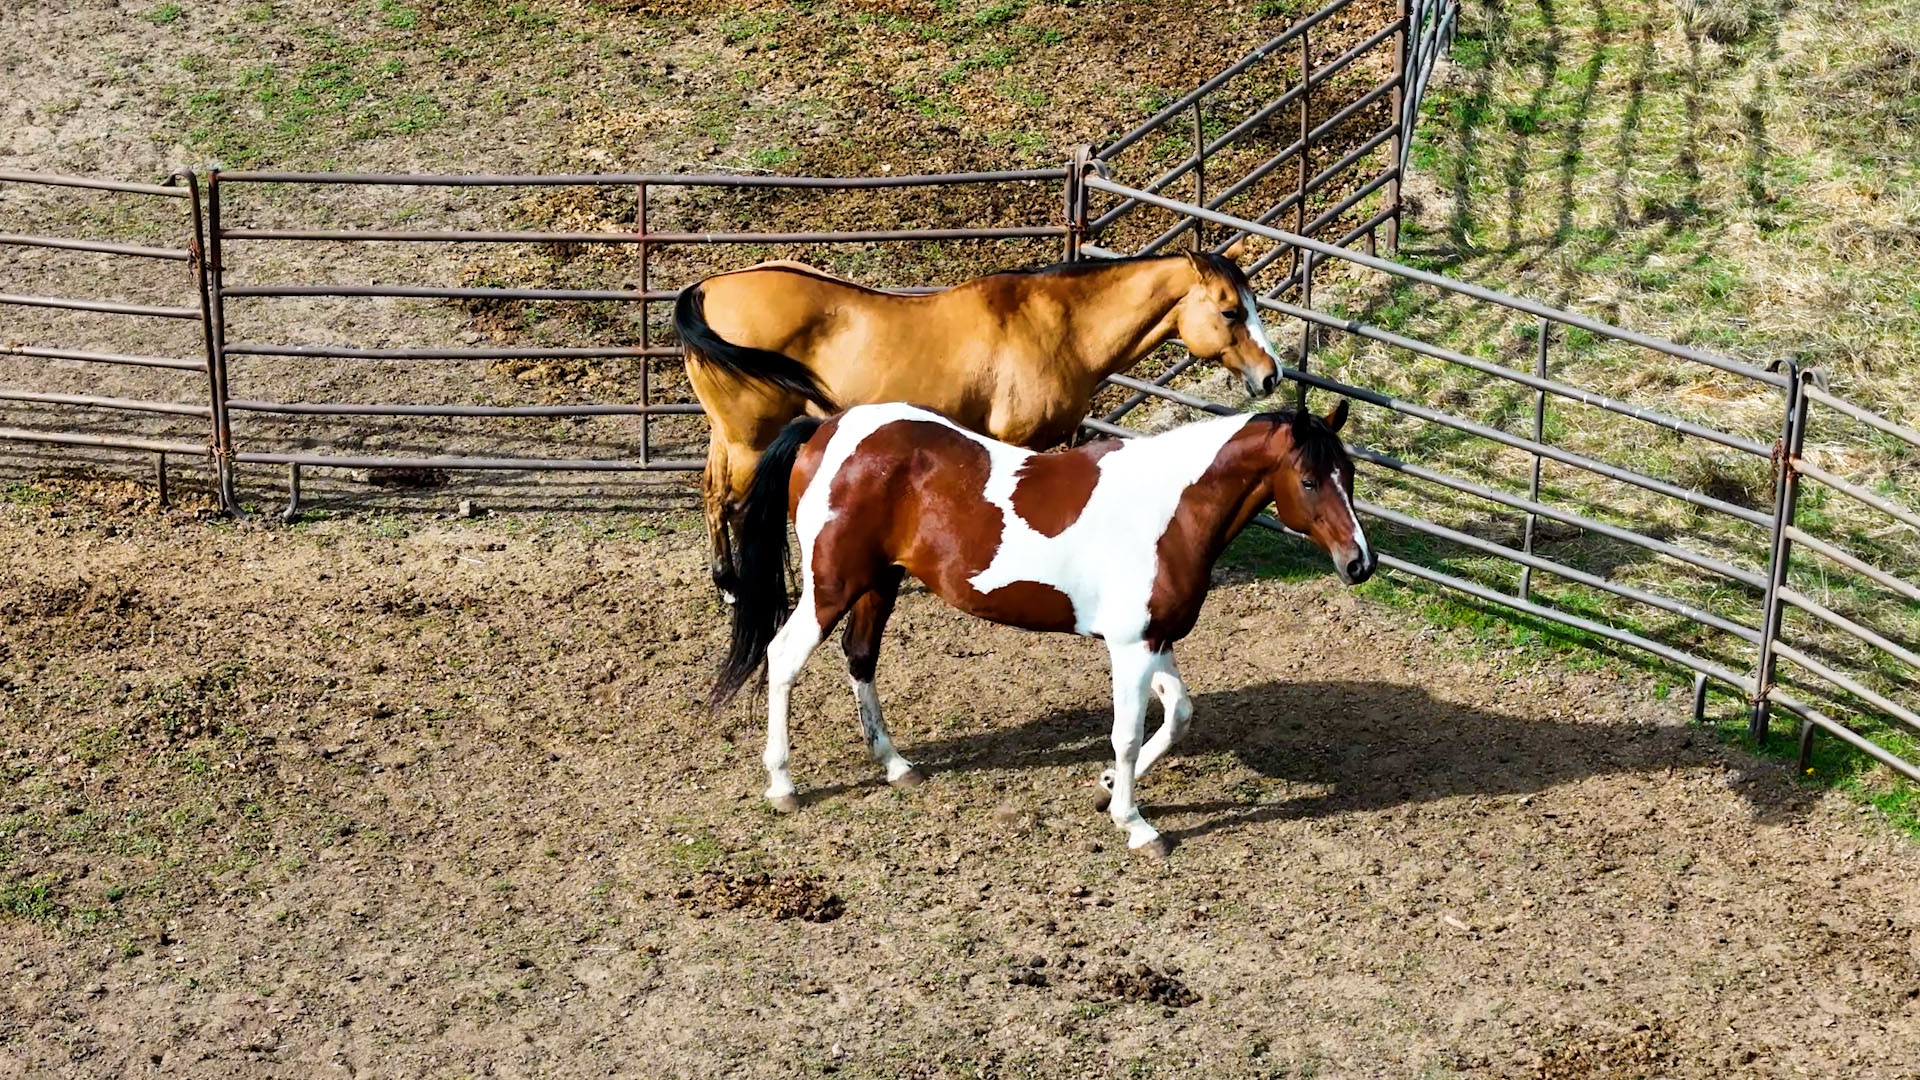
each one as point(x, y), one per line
point(1016, 356)
point(1109, 540)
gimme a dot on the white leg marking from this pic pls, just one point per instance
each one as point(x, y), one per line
point(1132, 668)
point(1176, 710)
point(874, 729)
point(785, 657)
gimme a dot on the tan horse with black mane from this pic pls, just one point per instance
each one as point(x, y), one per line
point(1016, 356)
point(1113, 541)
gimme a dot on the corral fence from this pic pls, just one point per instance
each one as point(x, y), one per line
point(1325, 204)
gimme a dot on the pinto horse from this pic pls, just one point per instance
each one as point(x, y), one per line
point(1110, 540)
point(1016, 356)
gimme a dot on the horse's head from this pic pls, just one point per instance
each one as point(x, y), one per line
point(1218, 320)
point(1312, 488)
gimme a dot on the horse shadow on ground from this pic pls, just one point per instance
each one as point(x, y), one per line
point(1364, 746)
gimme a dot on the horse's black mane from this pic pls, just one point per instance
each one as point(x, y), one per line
point(1320, 450)
point(1219, 263)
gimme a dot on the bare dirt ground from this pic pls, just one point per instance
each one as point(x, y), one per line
point(397, 794)
point(441, 798)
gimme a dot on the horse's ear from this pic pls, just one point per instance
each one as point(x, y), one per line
point(1236, 250)
point(1338, 417)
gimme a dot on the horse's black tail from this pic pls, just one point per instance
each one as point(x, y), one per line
point(742, 361)
point(760, 605)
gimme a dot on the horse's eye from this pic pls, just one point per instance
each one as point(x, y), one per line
point(1235, 314)
point(1310, 485)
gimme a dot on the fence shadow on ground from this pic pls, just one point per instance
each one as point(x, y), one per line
point(1368, 746)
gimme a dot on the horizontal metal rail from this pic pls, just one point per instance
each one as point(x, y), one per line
point(97, 402)
point(1858, 494)
point(1848, 626)
point(102, 246)
point(1853, 562)
point(474, 463)
point(330, 408)
point(1545, 450)
point(1467, 487)
point(1492, 296)
point(1842, 732)
point(1849, 684)
point(1262, 115)
point(8, 176)
point(106, 307)
point(1611, 633)
point(429, 292)
point(1555, 387)
point(1372, 95)
point(1314, 183)
point(42, 353)
point(1159, 119)
point(1515, 502)
point(836, 183)
point(343, 352)
point(114, 442)
point(1514, 555)
point(1871, 419)
point(446, 237)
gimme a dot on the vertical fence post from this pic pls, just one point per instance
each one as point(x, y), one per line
point(1076, 195)
point(1786, 493)
point(646, 333)
point(1306, 328)
point(214, 274)
point(1539, 433)
point(1306, 154)
point(1397, 98)
point(216, 381)
point(1199, 172)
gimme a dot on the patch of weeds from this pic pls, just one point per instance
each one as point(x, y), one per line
point(164, 14)
point(20, 493)
point(1004, 11)
point(771, 157)
point(398, 15)
point(32, 900)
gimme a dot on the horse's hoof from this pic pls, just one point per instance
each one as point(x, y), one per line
point(783, 804)
point(911, 778)
point(1154, 850)
point(1102, 801)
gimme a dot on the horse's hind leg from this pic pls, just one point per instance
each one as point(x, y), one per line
point(865, 625)
point(716, 492)
point(785, 657)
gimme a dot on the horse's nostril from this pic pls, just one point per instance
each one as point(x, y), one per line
point(1357, 569)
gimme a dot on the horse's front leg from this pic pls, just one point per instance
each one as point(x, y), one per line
point(1176, 710)
point(1133, 667)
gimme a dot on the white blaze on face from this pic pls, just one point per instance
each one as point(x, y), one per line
point(1359, 536)
point(1255, 328)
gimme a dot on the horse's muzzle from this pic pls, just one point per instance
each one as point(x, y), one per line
point(1356, 570)
point(1261, 385)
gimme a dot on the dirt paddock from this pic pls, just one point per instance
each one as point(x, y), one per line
point(409, 795)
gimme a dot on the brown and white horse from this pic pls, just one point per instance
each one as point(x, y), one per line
point(1111, 540)
point(1016, 356)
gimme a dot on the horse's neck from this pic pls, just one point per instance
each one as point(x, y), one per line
point(1228, 496)
point(1128, 311)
